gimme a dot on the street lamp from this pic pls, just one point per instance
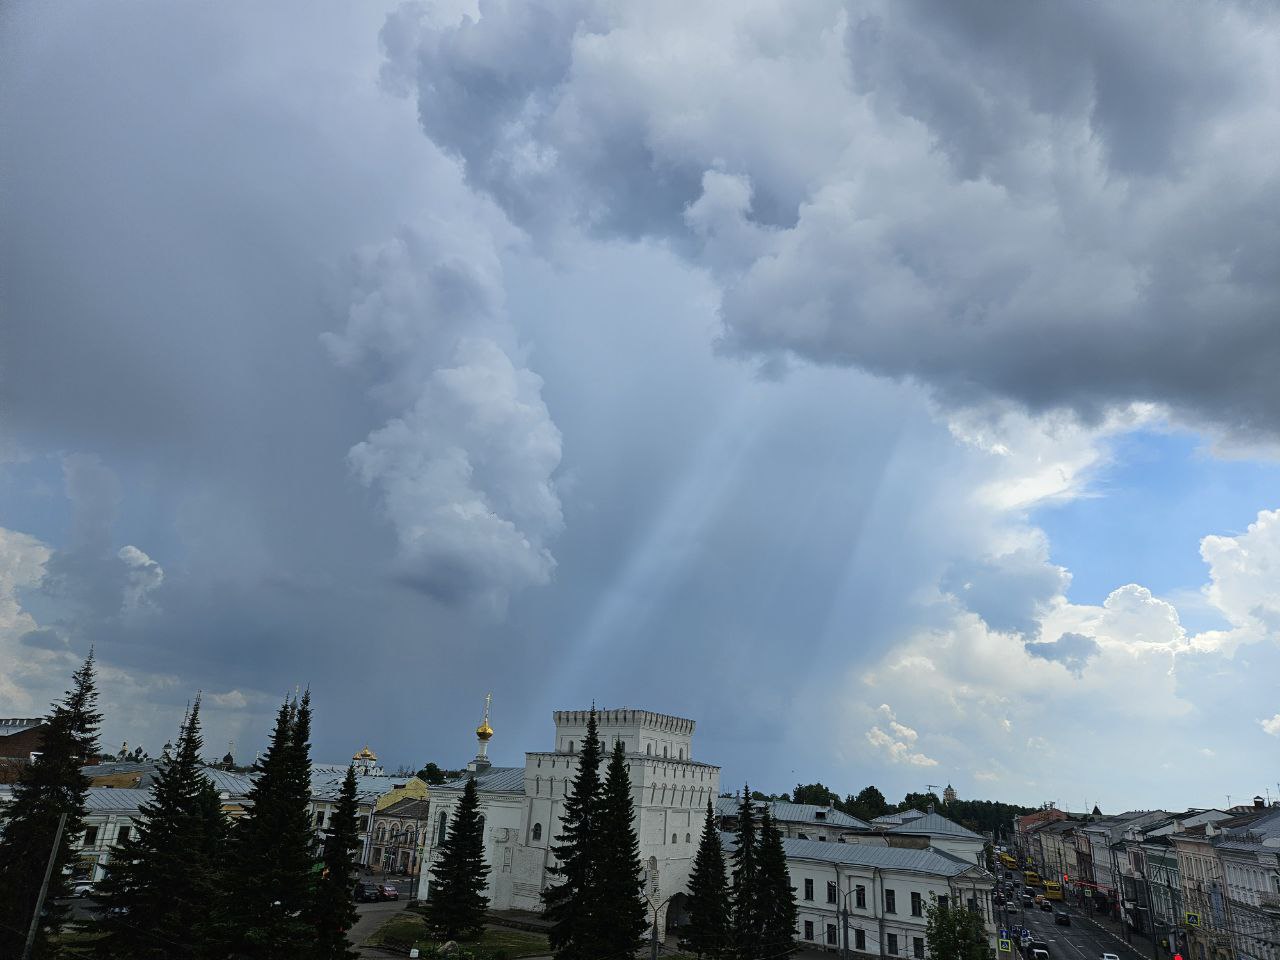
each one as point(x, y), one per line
point(657, 909)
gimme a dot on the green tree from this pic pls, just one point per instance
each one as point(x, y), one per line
point(777, 900)
point(572, 905)
point(166, 871)
point(269, 884)
point(51, 785)
point(955, 933)
point(458, 904)
point(816, 794)
point(867, 805)
point(623, 914)
point(919, 801)
point(333, 912)
point(746, 920)
point(431, 774)
point(707, 933)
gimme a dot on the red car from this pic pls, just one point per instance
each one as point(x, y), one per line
point(387, 891)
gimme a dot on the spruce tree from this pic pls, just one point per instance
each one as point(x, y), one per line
point(746, 920)
point(52, 784)
point(333, 912)
point(269, 876)
point(458, 904)
point(572, 905)
point(777, 899)
point(623, 915)
point(165, 871)
point(707, 933)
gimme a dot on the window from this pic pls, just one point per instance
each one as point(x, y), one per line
point(831, 891)
point(917, 947)
point(808, 929)
point(860, 939)
point(688, 838)
point(444, 827)
point(648, 749)
point(90, 836)
point(831, 934)
point(893, 944)
point(917, 905)
point(860, 897)
point(664, 752)
point(808, 890)
point(122, 835)
point(803, 836)
point(674, 839)
point(319, 819)
point(890, 901)
point(481, 819)
point(537, 831)
point(822, 838)
point(942, 903)
point(820, 815)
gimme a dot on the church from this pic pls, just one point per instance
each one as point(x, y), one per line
point(522, 806)
point(835, 860)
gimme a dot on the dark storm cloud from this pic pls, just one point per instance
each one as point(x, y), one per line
point(1065, 205)
point(1072, 650)
point(1011, 593)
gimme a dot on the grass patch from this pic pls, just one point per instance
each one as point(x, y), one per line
point(410, 929)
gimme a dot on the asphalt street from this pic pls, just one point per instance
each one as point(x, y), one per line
point(1082, 940)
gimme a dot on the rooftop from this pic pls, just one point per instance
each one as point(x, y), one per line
point(935, 825)
point(407, 808)
point(929, 860)
point(493, 780)
point(894, 819)
point(11, 725)
point(785, 812)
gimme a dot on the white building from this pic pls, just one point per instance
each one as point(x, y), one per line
point(885, 878)
point(886, 891)
point(522, 806)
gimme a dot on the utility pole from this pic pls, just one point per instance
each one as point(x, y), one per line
point(44, 888)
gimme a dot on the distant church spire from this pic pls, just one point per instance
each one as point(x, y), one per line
point(484, 733)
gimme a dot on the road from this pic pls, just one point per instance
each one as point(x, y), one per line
point(1082, 940)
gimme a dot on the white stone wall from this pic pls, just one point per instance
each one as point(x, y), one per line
point(641, 732)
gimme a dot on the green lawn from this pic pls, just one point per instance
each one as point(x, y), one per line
point(508, 944)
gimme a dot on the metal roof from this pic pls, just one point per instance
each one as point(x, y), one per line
point(326, 783)
point(935, 825)
point(493, 780)
point(11, 725)
point(929, 860)
point(113, 800)
point(406, 808)
point(893, 819)
point(225, 781)
point(785, 812)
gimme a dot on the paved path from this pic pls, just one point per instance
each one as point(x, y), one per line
point(372, 916)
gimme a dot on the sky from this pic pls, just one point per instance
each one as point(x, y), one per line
point(889, 386)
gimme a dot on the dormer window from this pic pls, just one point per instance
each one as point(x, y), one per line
point(820, 815)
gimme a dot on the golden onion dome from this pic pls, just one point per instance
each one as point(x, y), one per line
point(484, 731)
point(365, 754)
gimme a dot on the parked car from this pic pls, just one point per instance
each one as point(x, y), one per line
point(82, 888)
point(1037, 954)
point(1110, 956)
point(388, 891)
point(1062, 918)
point(365, 893)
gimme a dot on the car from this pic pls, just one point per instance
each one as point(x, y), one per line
point(1026, 939)
point(82, 888)
point(1046, 906)
point(1038, 954)
point(1110, 956)
point(365, 893)
point(1062, 918)
point(388, 891)
point(1026, 900)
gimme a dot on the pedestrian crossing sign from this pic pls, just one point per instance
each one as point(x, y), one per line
point(1006, 946)
point(1193, 919)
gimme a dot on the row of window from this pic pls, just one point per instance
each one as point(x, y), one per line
point(91, 835)
point(859, 936)
point(571, 746)
point(860, 897)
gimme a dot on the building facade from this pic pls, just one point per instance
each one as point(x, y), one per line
point(523, 806)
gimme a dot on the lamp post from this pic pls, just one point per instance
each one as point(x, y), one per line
point(657, 909)
point(844, 918)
